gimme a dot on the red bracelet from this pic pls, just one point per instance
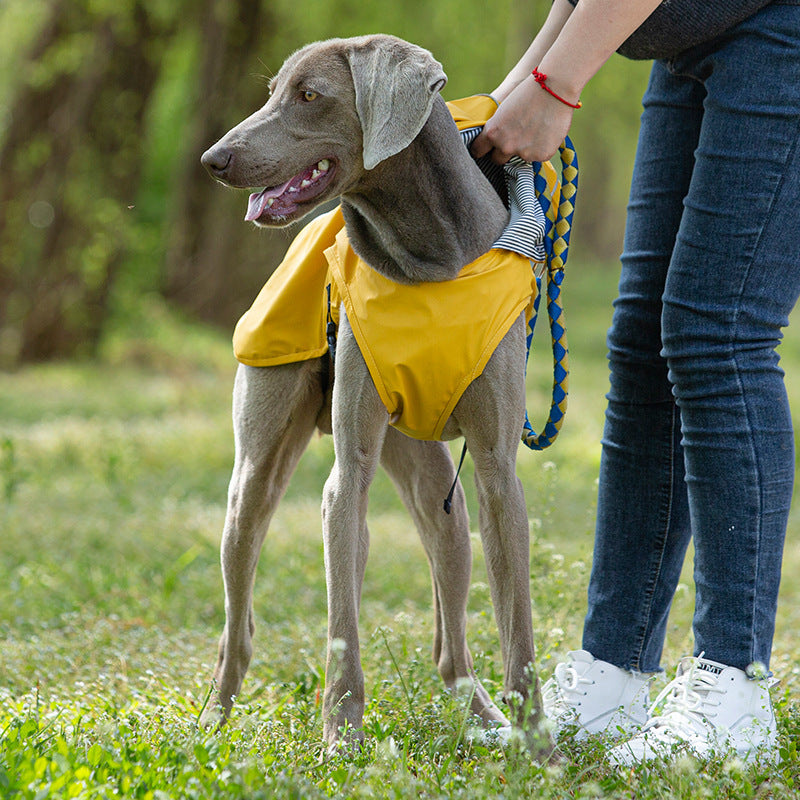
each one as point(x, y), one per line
point(540, 78)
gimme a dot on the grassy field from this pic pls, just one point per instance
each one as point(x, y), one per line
point(113, 478)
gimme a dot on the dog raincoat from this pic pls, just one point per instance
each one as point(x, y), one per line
point(423, 343)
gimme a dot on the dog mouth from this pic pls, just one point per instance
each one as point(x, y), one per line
point(278, 202)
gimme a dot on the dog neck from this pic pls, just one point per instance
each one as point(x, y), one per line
point(424, 213)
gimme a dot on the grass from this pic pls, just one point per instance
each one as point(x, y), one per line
point(112, 485)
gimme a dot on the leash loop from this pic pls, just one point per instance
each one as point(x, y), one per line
point(558, 223)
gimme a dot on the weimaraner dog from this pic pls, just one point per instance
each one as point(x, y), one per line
point(362, 119)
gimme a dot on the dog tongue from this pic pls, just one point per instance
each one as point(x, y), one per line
point(258, 201)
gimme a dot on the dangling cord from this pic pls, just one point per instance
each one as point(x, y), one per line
point(330, 329)
point(448, 501)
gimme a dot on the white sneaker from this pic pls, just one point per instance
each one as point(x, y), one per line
point(709, 709)
point(595, 696)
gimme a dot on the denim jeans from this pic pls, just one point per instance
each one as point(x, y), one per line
point(698, 440)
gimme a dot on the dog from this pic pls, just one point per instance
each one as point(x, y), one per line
point(362, 120)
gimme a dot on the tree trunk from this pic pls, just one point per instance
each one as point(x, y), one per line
point(216, 263)
point(70, 162)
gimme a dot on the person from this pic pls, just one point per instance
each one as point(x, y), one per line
point(698, 441)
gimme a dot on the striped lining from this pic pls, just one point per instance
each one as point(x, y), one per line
point(525, 231)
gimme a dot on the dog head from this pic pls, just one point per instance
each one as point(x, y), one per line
point(336, 109)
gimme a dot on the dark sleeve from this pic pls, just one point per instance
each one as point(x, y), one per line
point(677, 25)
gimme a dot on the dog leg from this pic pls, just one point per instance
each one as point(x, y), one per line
point(491, 414)
point(423, 473)
point(274, 413)
point(504, 532)
point(359, 427)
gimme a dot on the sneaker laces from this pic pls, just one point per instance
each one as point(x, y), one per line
point(559, 692)
point(688, 704)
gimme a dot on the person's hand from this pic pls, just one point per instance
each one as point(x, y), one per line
point(529, 123)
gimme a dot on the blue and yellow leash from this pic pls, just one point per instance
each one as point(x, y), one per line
point(557, 198)
point(558, 204)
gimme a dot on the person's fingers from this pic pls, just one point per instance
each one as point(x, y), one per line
point(487, 142)
point(481, 145)
point(499, 157)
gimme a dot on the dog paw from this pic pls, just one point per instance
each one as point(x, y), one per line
point(494, 736)
point(212, 718)
point(347, 743)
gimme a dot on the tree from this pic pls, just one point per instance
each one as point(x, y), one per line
point(215, 263)
point(70, 159)
point(105, 114)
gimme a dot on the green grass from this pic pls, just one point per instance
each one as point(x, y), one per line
point(112, 487)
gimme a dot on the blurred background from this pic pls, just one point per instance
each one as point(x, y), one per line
point(123, 269)
point(107, 105)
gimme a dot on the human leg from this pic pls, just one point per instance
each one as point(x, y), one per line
point(639, 546)
point(727, 296)
point(733, 279)
point(642, 518)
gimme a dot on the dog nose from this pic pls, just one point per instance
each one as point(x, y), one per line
point(217, 160)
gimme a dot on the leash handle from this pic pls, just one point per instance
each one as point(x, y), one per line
point(556, 242)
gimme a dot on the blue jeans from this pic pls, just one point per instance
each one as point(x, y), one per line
point(698, 439)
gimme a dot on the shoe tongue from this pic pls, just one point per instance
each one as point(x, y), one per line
point(698, 663)
point(582, 656)
point(709, 666)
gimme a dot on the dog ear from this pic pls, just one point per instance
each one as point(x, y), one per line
point(395, 83)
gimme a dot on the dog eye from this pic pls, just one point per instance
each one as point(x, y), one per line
point(310, 96)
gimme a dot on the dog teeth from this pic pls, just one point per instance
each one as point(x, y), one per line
point(315, 174)
point(324, 165)
point(304, 183)
point(270, 202)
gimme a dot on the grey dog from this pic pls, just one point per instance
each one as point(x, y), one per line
point(362, 120)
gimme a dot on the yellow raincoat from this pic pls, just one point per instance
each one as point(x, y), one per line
point(423, 343)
